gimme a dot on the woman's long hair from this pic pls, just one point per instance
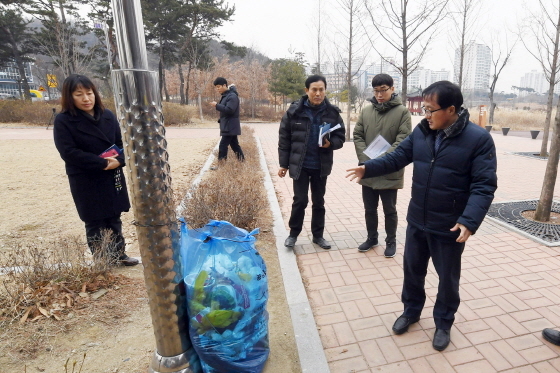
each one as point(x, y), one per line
point(72, 83)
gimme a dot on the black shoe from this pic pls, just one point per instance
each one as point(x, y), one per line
point(390, 249)
point(324, 244)
point(366, 246)
point(401, 325)
point(125, 260)
point(441, 339)
point(551, 335)
point(290, 241)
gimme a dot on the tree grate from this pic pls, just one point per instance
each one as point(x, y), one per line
point(535, 155)
point(510, 213)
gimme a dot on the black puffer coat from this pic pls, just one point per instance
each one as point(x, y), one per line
point(455, 186)
point(79, 143)
point(294, 132)
point(229, 113)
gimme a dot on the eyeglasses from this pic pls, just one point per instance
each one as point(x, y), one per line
point(428, 112)
point(381, 91)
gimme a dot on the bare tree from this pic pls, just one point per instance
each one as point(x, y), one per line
point(355, 50)
point(501, 55)
point(408, 27)
point(541, 38)
point(463, 19)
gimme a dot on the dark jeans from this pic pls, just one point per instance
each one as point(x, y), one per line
point(446, 257)
point(301, 199)
point(234, 143)
point(94, 229)
point(389, 200)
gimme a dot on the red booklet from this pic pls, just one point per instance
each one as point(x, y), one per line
point(113, 151)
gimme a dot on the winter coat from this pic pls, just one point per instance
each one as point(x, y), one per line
point(390, 120)
point(456, 185)
point(79, 143)
point(294, 132)
point(229, 113)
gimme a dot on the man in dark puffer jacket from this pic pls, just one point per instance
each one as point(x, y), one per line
point(308, 163)
point(453, 185)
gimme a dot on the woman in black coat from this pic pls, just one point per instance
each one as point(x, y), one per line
point(83, 132)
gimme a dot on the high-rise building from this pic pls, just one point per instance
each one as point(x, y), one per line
point(476, 66)
point(421, 78)
point(536, 81)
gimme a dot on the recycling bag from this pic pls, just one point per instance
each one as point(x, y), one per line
point(227, 292)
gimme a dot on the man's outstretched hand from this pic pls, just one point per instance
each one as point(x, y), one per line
point(356, 173)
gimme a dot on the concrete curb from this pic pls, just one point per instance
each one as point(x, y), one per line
point(310, 349)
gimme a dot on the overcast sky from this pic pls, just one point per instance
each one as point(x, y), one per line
point(275, 28)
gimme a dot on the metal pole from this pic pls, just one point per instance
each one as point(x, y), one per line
point(138, 107)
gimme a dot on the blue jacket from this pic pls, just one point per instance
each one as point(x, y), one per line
point(456, 185)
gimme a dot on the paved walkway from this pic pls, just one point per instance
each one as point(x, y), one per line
point(509, 288)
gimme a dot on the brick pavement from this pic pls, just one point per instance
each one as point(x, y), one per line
point(509, 285)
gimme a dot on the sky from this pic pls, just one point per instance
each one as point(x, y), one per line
point(279, 28)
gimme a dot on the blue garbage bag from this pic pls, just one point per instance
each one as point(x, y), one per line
point(227, 292)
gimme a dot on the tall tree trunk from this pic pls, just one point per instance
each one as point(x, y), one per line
point(181, 82)
point(491, 111)
point(200, 106)
point(188, 83)
point(404, 89)
point(462, 50)
point(547, 192)
point(165, 87)
point(553, 68)
point(349, 75)
point(160, 70)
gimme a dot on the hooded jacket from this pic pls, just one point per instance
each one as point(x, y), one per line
point(392, 121)
point(456, 185)
point(229, 113)
point(294, 132)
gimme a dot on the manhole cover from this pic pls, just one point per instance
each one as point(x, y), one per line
point(535, 155)
point(510, 213)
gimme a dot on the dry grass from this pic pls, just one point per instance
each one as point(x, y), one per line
point(233, 192)
point(516, 120)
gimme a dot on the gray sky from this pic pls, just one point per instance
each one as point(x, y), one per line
point(277, 27)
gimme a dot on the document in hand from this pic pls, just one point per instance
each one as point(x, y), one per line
point(113, 151)
point(377, 147)
point(325, 129)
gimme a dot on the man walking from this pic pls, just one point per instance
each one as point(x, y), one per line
point(230, 127)
point(388, 118)
point(452, 188)
point(309, 162)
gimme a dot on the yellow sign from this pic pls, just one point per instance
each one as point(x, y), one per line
point(41, 88)
point(51, 81)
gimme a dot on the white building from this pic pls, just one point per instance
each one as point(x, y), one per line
point(10, 82)
point(421, 78)
point(476, 66)
point(537, 81)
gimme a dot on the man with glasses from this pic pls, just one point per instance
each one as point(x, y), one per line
point(388, 118)
point(453, 185)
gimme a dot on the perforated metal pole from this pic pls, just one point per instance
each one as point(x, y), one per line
point(139, 110)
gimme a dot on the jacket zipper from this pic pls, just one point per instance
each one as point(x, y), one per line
point(428, 184)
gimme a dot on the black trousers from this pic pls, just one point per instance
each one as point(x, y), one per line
point(301, 199)
point(446, 257)
point(95, 228)
point(371, 202)
point(232, 141)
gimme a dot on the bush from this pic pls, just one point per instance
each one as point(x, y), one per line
point(175, 114)
point(231, 192)
point(17, 111)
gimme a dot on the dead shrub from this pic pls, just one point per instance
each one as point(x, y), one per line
point(17, 111)
point(234, 192)
point(47, 280)
point(176, 114)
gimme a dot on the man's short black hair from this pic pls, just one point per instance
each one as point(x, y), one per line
point(382, 79)
point(315, 78)
point(447, 93)
point(220, 81)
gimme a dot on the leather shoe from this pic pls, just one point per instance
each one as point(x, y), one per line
point(551, 335)
point(324, 244)
point(125, 260)
point(401, 325)
point(290, 241)
point(366, 246)
point(441, 339)
point(390, 249)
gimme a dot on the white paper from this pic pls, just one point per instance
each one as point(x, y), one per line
point(377, 147)
point(323, 131)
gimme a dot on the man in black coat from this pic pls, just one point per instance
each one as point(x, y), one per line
point(453, 185)
point(309, 162)
point(230, 127)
